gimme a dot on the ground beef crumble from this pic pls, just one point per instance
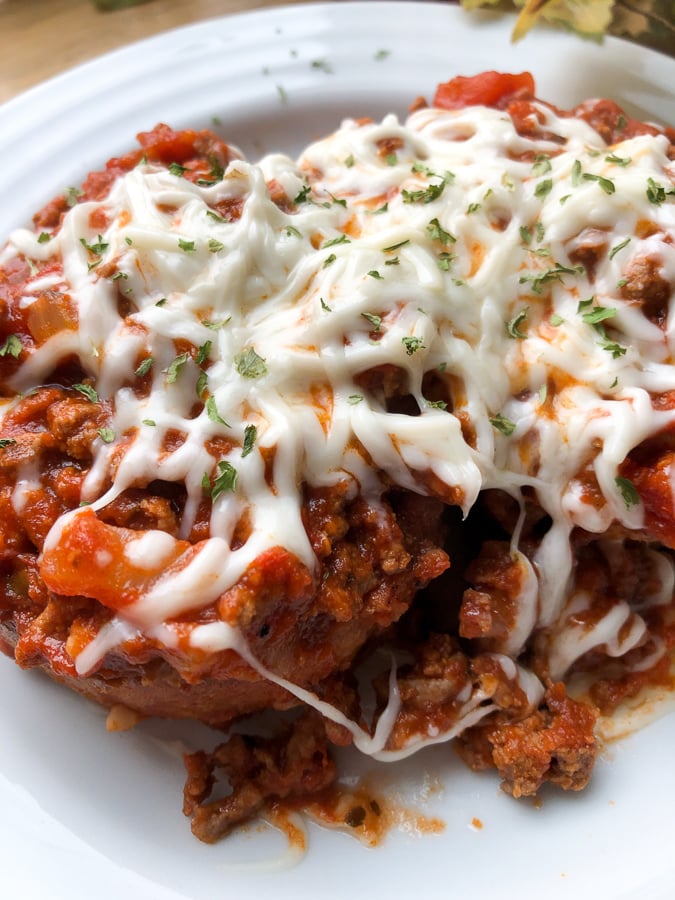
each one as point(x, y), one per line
point(293, 765)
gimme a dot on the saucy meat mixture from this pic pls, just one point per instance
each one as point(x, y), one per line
point(500, 613)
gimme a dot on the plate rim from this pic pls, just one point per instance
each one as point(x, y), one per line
point(29, 96)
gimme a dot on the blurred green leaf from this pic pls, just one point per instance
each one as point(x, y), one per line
point(108, 5)
point(647, 22)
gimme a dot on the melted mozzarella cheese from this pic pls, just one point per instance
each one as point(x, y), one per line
point(453, 255)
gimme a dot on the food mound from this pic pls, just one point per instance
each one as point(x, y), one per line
point(382, 436)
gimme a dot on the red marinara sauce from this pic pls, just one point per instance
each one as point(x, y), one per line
point(515, 93)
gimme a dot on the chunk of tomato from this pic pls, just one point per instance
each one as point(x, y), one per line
point(93, 559)
point(485, 89)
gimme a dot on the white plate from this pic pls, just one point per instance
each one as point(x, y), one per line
point(86, 814)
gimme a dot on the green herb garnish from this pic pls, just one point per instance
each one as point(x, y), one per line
point(513, 326)
point(503, 425)
point(605, 183)
point(412, 344)
point(542, 165)
point(555, 273)
point(395, 246)
point(250, 435)
point(212, 412)
point(343, 239)
point(628, 491)
point(12, 346)
point(203, 352)
point(374, 320)
point(249, 364)
point(145, 366)
point(543, 188)
point(444, 261)
point(617, 247)
point(175, 367)
point(87, 391)
point(226, 479)
point(438, 233)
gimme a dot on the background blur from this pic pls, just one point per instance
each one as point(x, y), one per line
point(39, 38)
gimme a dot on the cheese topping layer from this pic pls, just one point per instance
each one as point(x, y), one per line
point(476, 264)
